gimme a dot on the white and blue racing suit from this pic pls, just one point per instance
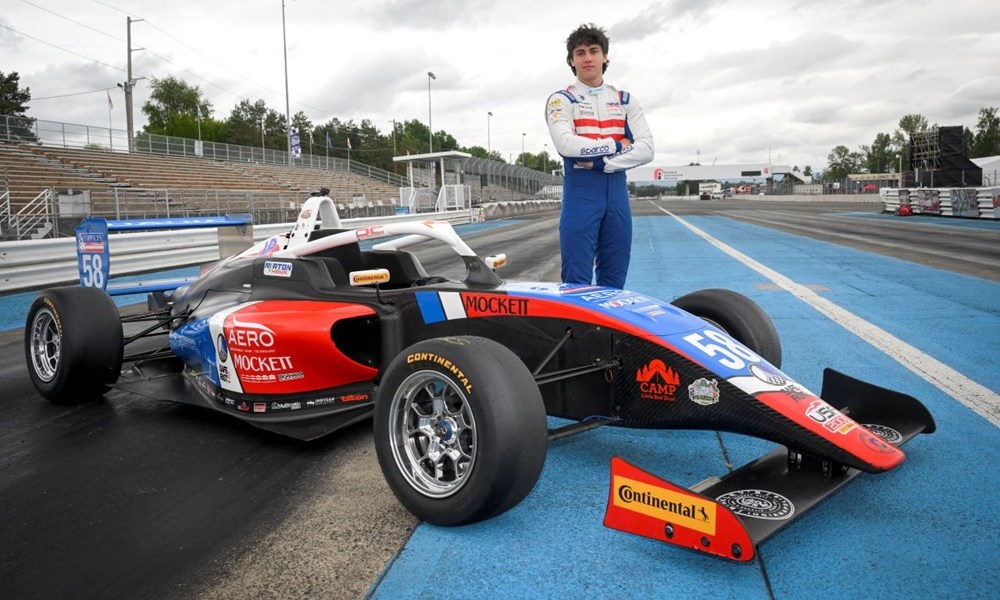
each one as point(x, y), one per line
point(586, 125)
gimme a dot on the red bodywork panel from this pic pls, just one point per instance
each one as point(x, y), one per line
point(646, 505)
point(285, 347)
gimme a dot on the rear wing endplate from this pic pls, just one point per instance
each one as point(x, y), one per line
point(93, 254)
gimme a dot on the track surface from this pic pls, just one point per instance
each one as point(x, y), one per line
point(127, 498)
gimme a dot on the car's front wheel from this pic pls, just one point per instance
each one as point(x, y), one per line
point(460, 429)
point(73, 344)
point(739, 316)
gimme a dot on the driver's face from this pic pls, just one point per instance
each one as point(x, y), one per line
point(588, 60)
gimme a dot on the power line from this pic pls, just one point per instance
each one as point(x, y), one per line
point(72, 21)
point(63, 49)
point(33, 99)
point(217, 63)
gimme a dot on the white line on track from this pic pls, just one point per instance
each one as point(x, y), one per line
point(973, 395)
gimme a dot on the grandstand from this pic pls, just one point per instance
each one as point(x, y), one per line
point(60, 175)
point(73, 182)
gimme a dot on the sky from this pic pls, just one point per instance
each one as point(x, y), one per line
point(720, 81)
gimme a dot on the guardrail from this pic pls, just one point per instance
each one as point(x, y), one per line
point(26, 265)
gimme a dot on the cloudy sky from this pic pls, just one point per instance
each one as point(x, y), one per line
point(723, 81)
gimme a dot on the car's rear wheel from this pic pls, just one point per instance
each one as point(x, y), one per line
point(73, 344)
point(460, 429)
point(739, 316)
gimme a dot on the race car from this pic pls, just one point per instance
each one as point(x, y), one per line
point(306, 332)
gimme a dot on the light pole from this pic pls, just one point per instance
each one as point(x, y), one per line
point(545, 159)
point(489, 114)
point(288, 108)
point(522, 150)
point(430, 127)
point(198, 114)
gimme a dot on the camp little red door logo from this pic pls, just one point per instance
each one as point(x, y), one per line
point(657, 381)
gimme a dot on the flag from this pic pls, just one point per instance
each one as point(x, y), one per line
point(348, 143)
point(110, 103)
point(296, 143)
point(329, 141)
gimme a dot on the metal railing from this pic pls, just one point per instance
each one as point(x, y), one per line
point(35, 216)
point(5, 216)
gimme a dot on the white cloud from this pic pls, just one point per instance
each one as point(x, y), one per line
point(737, 81)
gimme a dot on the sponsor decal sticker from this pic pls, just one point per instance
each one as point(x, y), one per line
point(274, 268)
point(876, 443)
point(291, 376)
point(367, 232)
point(758, 504)
point(354, 398)
point(687, 511)
point(829, 417)
point(91, 242)
point(270, 247)
point(367, 277)
point(704, 392)
point(486, 305)
point(285, 405)
point(888, 434)
point(321, 401)
point(767, 374)
point(657, 381)
point(222, 348)
point(443, 362)
point(259, 407)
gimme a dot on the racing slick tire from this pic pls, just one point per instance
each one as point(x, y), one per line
point(73, 344)
point(738, 316)
point(460, 429)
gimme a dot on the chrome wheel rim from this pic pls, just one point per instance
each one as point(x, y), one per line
point(433, 434)
point(46, 345)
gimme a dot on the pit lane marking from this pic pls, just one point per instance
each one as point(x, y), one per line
point(973, 395)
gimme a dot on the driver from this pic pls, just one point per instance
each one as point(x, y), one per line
point(600, 132)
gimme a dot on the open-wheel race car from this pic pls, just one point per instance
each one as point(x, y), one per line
point(306, 332)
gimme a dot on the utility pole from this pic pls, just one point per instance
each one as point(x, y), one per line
point(129, 84)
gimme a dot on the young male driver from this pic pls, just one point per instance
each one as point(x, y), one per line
point(600, 132)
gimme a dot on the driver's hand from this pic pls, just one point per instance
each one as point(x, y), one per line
point(625, 142)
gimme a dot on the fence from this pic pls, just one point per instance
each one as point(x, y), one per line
point(68, 135)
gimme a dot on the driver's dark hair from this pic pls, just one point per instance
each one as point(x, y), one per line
point(587, 34)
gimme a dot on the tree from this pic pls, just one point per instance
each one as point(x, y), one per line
point(879, 157)
point(244, 125)
point(841, 162)
point(172, 98)
point(807, 171)
point(908, 125)
point(986, 140)
point(14, 125)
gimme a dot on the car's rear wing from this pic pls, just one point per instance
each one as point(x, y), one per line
point(94, 256)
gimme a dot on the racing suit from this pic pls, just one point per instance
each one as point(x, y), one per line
point(586, 125)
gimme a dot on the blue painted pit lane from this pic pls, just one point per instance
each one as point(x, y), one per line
point(925, 530)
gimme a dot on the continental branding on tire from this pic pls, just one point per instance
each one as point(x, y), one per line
point(55, 314)
point(439, 360)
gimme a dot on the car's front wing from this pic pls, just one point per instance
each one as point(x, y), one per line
point(731, 516)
